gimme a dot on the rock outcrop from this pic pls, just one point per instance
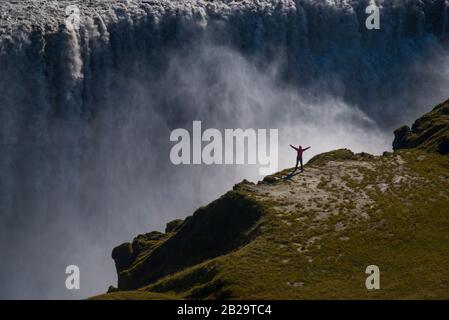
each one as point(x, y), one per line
point(222, 226)
point(430, 132)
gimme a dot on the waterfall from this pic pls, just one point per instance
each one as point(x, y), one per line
point(85, 115)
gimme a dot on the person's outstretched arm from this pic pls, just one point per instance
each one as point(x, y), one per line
point(306, 149)
point(294, 147)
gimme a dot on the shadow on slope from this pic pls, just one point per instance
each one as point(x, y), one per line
point(219, 228)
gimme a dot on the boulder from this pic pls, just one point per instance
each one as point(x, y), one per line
point(173, 225)
point(123, 256)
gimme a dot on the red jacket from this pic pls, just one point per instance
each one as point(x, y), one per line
point(299, 151)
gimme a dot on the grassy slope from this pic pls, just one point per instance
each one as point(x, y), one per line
point(430, 132)
point(134, 295)
point(406, 234)
point(313, 235)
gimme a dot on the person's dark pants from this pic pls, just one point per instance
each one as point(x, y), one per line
point(299, 160)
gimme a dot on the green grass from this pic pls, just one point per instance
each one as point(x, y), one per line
point(242, 247)
point(430, 132)
point(134, 295)
point(407, 236)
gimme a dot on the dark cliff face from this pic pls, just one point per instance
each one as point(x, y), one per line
point(125, 254)
point(222, 226)
point(430, 132)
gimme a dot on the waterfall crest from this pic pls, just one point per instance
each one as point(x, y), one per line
point(85, 114)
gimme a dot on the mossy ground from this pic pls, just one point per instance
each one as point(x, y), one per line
point(390, 211)
point(134, 295)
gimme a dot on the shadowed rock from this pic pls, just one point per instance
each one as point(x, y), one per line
point(430, 132)
point(214, 230)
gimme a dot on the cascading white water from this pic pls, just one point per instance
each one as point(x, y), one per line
point(85, 115)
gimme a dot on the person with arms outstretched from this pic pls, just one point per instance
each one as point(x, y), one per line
point(299, 152)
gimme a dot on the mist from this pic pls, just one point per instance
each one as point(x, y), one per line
point(86, 115)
